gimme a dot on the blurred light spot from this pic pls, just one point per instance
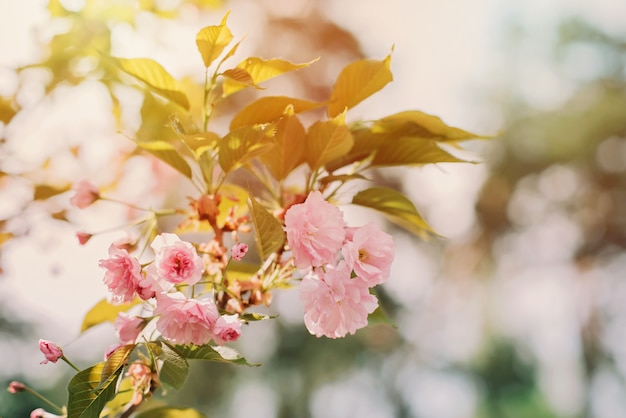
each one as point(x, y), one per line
point(611, 154)
point(254, 399)
point(434, 394)
point(584, 62)
point(607, 395)
point(559, 183)
point(358, 395)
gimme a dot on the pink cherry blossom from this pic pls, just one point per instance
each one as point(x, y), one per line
point(151, 284)
point(51, 350)
point(315, 231)
point(122, 276)
point(176, 261)
point(42, 413)
point(334, 303)
point(127, 328)
point(227, 328)
point(185, 321)
point(86, 194)
point(238, 251)
point(369, 253)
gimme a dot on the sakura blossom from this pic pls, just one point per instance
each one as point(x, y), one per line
point(315, 231)
point(334, 303)
point(127, 327)
point(227, 328)
point(123, 274)
point(239, 250)
point(50, 350)
point(151, 283)
point(176, 261)
point(86, 194)
point(185, 321)
point(369, 252)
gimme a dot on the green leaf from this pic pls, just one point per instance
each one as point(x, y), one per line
point(288, 150)
point(356, 82)
point(241, 146)
point(269, 109)
point(87, 394)
point(261, 70)
point(379, 316)
point(167, 153)
point(218, 354)
point(327, 140)
point(269, 233)
point(104, 311)
point(175, 368)
point(212, 40)
point(419, 124)
point(155, 77)
point(396, 207)
point(170, 412)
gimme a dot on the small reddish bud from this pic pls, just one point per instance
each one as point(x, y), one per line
point(16, 387)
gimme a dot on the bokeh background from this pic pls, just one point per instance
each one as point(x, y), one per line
point(519, 312)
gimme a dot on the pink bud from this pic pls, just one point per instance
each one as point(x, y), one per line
point(86, 194)
point(83, 237)
point(51, 350)
point(239, 250)
point(15, 387)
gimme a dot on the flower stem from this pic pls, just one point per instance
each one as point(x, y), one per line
point(65, 359)
point(43, 399)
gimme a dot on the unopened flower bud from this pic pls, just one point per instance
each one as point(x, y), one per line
point(83, 237)
point(16, 387)
point(51, 350)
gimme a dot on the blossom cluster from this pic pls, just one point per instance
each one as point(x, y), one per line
point(168, 281)
point(341, 264)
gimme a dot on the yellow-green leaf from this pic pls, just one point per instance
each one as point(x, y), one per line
point(261, 70)
point(43, 191)
point(269, 109)
point(287, 152)
point(419, 124)
point(155, 77)
point(396, 207)
point(327, 140)
point(167, 153)
point(241, 146)
point(170, 412)
point(241, 76)
point(7, 110)
point(116, 361)
point(356, 82)
point(104, 311)
point(269, 233)
point(411, 151)
point(212, 40)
